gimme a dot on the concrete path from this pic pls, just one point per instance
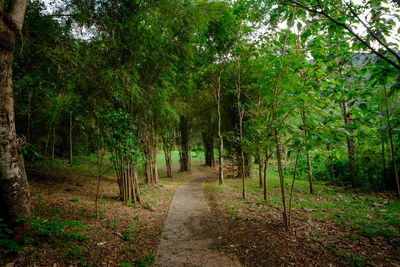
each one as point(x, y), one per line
point(189, 231)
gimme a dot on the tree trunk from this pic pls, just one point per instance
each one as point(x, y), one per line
point(154, 157)
point(396, 174)
point(260, 168)
point(221, 140)
point(267, 156)
point(98, 141)
point(148, 163)
point(291, 189)
point(330, 164)
point(46, 146)
point(281, 178)
point(155, 171)
point(14, 188)
point(274, 114)
point(350, 143)
point(206, 158)
point(28, 124)
point(383, 154)
point(70, 138)
point(147, 169)
point(240, 113)
point(136, 183)
point(212, 153)
point(184, 160)
point(310, 176)
point(167, 153)
point(127, 181)
point(245, 167)
point(168, 163)
point(99, 163)
point(53, 143)
point(208, 142)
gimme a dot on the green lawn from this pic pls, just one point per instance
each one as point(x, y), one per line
point(88, 164)
point(196, 157)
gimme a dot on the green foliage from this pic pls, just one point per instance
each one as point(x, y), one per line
point(145, 261)
point(7, 245)
point(57, 229)
point(119, 136)
point(128, 235)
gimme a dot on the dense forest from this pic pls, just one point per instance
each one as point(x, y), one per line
point(288, 106)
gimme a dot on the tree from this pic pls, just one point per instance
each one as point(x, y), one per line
point(14, 188)
point(347, 15)
point(121, 140)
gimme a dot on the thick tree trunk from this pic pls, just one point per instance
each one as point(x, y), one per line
point(208, 142)
point(184, 160)
point(14, 188)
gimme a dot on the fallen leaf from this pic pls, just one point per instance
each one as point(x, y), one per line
point(377, 204)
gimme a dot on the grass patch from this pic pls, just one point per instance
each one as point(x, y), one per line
point(369, 213)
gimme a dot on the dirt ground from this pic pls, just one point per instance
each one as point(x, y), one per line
point(258, 238)
point(129, 235)
point(123, 235)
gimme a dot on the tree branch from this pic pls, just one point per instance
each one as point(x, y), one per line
point(322, 12)
point(16, 12)
point(372, 33)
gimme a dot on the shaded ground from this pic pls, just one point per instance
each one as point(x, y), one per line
point(190, 231)
point(334, 227)
point(66, 231)
point(252, 229)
